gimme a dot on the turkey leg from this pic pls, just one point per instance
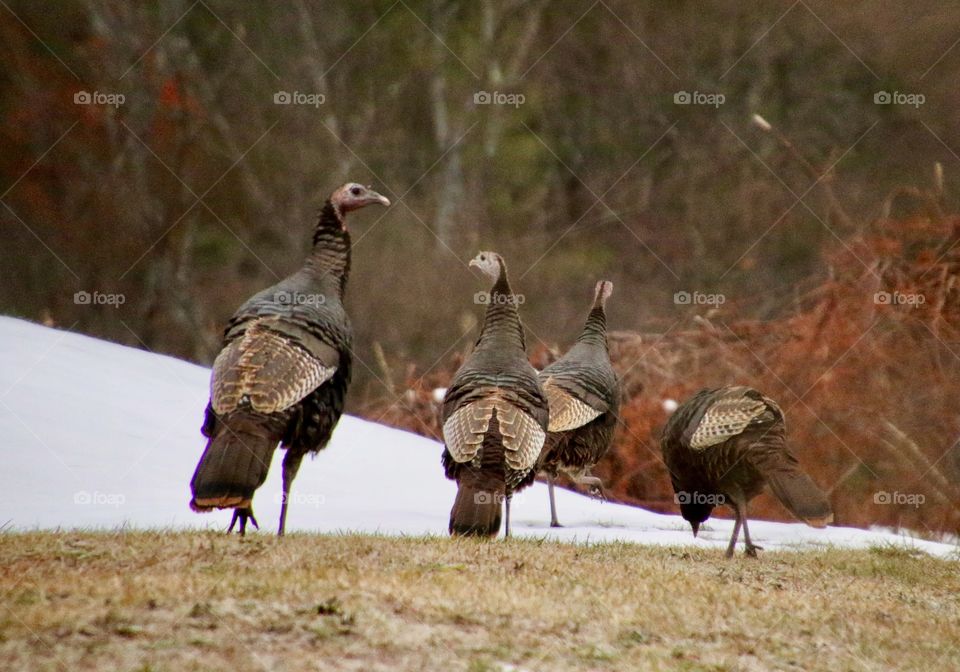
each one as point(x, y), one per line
point(506, 534)
point(736, 533)
point(751, 549)
point(553, 503)
point(291, 465)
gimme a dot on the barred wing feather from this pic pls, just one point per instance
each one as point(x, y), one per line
point(523, 438)
point(566, 411)
point(267, 368)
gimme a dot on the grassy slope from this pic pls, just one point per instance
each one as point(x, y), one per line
point(182, 601)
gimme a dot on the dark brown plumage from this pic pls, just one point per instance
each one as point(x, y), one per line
point(494, 415)
point(722, 446)
point(282, 374)
point(584, 398)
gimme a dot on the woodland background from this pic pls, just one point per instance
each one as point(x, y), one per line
point(199, 189)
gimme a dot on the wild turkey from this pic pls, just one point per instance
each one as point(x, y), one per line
point(722, 446)
point(494, 414)
point(283, 372)
point(584, 398)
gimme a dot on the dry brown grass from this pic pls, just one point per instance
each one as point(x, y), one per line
point(203, 601)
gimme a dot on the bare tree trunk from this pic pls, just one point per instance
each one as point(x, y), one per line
point(447, 134)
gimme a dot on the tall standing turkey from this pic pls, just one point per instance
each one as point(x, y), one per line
point(283, 372)
point(722, 446)
point(584, 398)
point(494, 414)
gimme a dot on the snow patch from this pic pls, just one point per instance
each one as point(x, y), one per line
point(100, 435)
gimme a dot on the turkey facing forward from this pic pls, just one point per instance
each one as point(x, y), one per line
point(494, 414)
point(282, 374)
point(722, 446)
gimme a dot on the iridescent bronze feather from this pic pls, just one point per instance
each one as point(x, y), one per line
point(566, 411)
point(268, 369)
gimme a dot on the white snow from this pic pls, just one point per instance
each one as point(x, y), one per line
point(100, 435)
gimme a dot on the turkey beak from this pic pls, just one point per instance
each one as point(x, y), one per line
point(696, 528)
point(474, 262)
point(374, 197)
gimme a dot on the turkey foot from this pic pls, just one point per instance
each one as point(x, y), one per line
point(243, 515)
point(751, 550)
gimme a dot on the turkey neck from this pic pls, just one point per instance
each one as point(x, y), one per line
point(595, 330)
point(501, 324)
point(328, 265)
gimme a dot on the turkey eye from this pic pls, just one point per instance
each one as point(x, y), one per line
point(355, 191)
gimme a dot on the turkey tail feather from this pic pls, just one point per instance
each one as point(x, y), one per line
point(476, 510)
point(801, 496)
point(234, 464)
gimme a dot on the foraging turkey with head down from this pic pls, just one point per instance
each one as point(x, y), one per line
point(283, 372)
point(584, 398)
point(722, 446)
point(494, 414)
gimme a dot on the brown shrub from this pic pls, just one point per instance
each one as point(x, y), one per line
point(866, 365)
